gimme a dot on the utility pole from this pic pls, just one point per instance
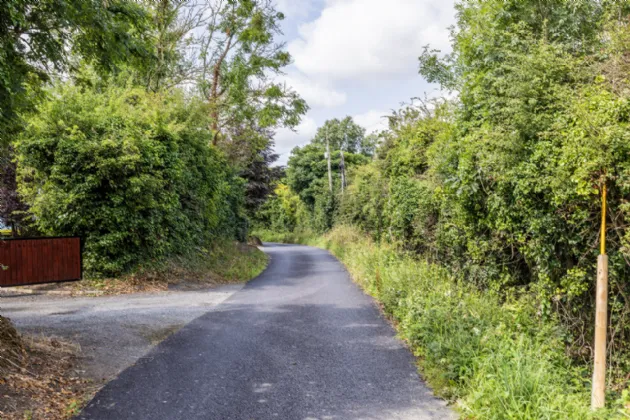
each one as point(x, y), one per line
point(342, 165)
point(598, 396)
point(330, 185)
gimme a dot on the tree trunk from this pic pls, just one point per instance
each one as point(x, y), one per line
point(214, 95)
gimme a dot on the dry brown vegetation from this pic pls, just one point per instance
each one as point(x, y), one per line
point(223, 263)
point(38, 376)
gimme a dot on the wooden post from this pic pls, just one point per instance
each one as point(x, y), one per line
point(343, 165)
point(598, 396)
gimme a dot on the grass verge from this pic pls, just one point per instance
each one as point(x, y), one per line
point(223, 262)
point(495, 358)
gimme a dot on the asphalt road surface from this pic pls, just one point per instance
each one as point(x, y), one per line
point(112, 331)
point(299, 342)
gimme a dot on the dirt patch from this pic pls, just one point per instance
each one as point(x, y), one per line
point(38, 379)
point(254, 241)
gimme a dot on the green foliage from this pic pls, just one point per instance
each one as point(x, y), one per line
point(307, 172)
point(307, 175)
point(283, 212)
point(413, 212)
point(364, 205)
point(324, 211)
point(238, 54)
point(496, 358)
point(412, 130)
point(541, 126)
point(38, 38)
point(129, 171)
point(501, 188)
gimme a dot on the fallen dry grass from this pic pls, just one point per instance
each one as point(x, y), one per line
point(38, 380)
point(12, 350)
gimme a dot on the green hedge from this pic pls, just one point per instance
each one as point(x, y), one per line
point(132, 172)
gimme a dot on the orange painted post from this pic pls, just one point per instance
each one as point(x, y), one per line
point(598, 396)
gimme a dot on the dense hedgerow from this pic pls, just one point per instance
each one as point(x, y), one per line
point(131, 172)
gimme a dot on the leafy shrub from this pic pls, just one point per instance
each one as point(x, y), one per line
point(282, 212)
point(364, 204)
point(129, 171)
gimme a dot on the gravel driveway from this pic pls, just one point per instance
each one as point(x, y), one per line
point(113, 331)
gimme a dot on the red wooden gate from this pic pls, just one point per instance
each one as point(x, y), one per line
point(40, 260)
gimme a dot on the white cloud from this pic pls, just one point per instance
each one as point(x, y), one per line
point(373, 120)
point(287, 139)
point(314, 93)
point(367, 38)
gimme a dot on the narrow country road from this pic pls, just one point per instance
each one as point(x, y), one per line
point(299, 342)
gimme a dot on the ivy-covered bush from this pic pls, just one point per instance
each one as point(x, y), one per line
point(131, 172)
point(364, 204)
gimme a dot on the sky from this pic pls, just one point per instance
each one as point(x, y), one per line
point(358, 58)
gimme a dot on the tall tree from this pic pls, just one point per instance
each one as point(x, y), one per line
point(347, 135)
point(239, 60)
point(174, 38)
point(39, 38)
point(261, 178)
point(250, 151)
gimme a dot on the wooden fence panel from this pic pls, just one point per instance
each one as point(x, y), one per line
point(40, 260)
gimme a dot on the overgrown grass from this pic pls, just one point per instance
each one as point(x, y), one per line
point(234, 262)
point(495, 358)
point(221, 263)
